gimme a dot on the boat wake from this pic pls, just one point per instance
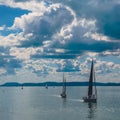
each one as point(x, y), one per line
point(56, 96)
point(76, 100)
point(68, 99)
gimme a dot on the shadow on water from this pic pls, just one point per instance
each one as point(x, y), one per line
point(64, 100)
point(92, 107)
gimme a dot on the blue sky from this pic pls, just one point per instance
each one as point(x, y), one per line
point(39, 40)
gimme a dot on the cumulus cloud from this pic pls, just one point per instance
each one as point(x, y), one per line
point(58, 26)
point(101, 67)
point(105, 12)
point(43, 25)
point(10, 40)
point(22, 53)
point(79, 66)
point(72, 33)
point(61, 32)
point(112, 53)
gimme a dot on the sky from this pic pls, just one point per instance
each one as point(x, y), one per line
point(41, 39)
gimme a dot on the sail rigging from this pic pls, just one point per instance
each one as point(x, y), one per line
point(90, 88)
point(92, 92)
point(63, 94)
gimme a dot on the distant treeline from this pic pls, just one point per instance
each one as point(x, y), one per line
point(15, 84)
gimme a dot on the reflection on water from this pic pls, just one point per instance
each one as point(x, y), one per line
point(37, 103)
point(64, 100)
point(91, 110)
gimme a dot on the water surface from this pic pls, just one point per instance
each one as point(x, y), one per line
point(38, 103)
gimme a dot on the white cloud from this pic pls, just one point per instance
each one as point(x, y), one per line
point(99, 37)
point(59, 50)
point(31, 5)
point(106, 67)
point(10, 40)
point(40, 66)
point(24, 53)
point(43, 25)
point(2, 71)
point(2, 28)
point(75, 31)
point(114, 53)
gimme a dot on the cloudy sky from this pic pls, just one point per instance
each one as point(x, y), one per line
point(41, 39)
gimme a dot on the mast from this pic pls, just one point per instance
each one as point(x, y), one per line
point(92, 97)
point(90, 89)
point(64, 84)
point(95, 85)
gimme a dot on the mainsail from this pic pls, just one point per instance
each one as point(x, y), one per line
point(91, 97)
point(90, 88)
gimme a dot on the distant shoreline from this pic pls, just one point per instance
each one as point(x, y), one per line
point(16, 84)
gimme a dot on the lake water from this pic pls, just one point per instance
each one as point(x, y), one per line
point(38, 103)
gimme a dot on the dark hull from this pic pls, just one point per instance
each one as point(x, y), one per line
point(63, 95)
point(92, 100)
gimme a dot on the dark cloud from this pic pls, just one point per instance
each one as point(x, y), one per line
point(21, 0)
point(75, 49)
point(95, 47)
point(109, 22)
point(54, 56)
point(106, 12)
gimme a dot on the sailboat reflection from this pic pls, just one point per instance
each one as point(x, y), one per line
point(63, 94)
point(92, 107)
point(64, 102)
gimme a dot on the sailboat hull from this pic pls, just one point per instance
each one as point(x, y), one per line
point(63, 95)
point(93, 100)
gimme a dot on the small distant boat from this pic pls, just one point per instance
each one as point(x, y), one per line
point(46, 86)
point(22, 87)
point(63, 94)
point(92, 91)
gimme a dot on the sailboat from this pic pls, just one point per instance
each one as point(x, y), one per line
point(22, 87)
point(63, 94)
point(46, 86)
point(92, 91)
